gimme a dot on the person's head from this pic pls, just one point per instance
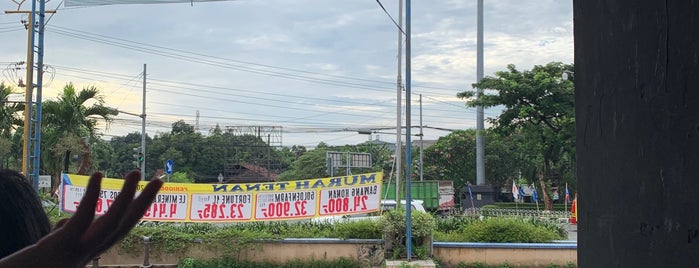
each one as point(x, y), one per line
point(22, 218)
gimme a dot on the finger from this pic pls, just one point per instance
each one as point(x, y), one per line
point(135, 212)
point(60, 223)
point(106, 224)
point(128, 191)
point(86, 210)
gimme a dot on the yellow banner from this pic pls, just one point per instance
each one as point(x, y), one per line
point(240, 202)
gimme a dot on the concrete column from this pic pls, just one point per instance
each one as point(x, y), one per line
point(637, 132)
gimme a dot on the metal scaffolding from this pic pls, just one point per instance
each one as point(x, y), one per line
point(253, 158)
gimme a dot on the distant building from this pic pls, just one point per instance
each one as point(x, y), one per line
point(392, 146)
point(242, 173)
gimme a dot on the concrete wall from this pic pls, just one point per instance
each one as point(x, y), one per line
point(518, 254)
point(370, 252)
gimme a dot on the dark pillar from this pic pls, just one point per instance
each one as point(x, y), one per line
point(482, 195)
point(637, 132)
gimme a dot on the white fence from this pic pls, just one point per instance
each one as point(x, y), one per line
point(495, 212)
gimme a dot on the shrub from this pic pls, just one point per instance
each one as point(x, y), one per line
point(393, 223)
point(452, 224)
point(549, 225)
point(177, 237)
point(500, 230)
point(363, 229)
point(233, 263)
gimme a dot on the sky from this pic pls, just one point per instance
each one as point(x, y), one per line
point(320, 70)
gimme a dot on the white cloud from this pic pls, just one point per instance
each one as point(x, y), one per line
point(304, 63)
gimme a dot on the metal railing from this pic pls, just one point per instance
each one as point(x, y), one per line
point(495, 212)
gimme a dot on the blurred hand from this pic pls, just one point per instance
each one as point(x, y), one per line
point(76, 241)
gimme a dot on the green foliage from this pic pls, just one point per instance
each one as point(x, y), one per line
point(453, 224)
point(311, 164)
point(8, 111)
point(176, 238)
point(364, 229)
point(233, 263)
point(394, 226)
point(539, 112)
point(70, 124)
point(512, 205)
point(503, 230)
point(181, 177)
point(452, 158)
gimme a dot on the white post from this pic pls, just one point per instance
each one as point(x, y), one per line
point(399, 103)
point(480, 140)
point(143, 128)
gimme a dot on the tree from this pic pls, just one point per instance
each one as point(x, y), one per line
point(453, 157)
point(123, 154)
point(538, 104)
point(310, 165)
point(103, 156)
point(8, 112)
point(9, 121)
point(69, 124)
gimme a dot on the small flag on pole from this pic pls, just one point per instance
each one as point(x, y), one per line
point(567, 194)
point(515, 191)
point(469, 192)
point(534, 195)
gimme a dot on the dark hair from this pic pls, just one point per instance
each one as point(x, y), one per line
point(22, 218)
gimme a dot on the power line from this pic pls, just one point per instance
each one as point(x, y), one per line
point(170, 83)
point(389, 15)
point(286, 96)
point(124, 43)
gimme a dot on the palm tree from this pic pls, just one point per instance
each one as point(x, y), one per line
point(8, 112)
point(8, 122)
point(69, 124)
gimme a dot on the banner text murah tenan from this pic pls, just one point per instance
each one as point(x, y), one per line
point(345, 181)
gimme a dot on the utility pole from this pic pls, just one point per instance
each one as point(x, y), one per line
point(29, 84)
point(29, 88)
point(143, 127)
point(142, 161)
point(421, 141)
point(399, 105)
point(408, 194)
point(30, 163)
point(480, 140)
point(39, 89)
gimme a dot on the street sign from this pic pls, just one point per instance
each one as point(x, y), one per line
point(169, 166)
point(220, 178)
point(44, 181)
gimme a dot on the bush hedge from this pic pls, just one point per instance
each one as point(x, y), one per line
point(233, 263)
point(501, 230)
point(176, 237)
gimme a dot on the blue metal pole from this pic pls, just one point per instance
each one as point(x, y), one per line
point(408, 145)
point(39, 86)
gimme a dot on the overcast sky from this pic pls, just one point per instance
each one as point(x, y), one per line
point(319, 69)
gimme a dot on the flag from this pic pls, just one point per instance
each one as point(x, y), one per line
point(567, 194)
point(515, 191)
point(469, 192)
point(536, 197)
point(521, 192)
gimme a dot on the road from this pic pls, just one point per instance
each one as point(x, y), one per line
point(572, 231)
